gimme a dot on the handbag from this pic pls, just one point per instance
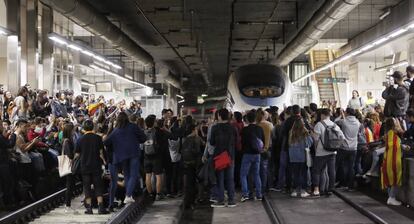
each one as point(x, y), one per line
point(222, 161)
point(76, 165)
point(64, 165)
point(309, 161)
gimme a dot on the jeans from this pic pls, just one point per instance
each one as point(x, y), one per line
point(358, 161)
point(250, 163)
point(225, 178)
point(264, 172)
point(346, 160)
point(284, 157)
point(392, 191)
point(299, 173)
point(113, 171)
point(130, 168)
point(70, 185)
point(319, 164)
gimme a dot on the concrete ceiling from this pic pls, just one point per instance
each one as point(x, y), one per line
point(202, 38)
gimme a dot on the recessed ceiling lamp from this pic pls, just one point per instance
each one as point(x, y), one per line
point(376, 43)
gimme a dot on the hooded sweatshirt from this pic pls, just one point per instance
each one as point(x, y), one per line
point(350, 126)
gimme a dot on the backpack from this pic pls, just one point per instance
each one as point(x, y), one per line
point(189, 150)
point(150, 145)
point(332, 140)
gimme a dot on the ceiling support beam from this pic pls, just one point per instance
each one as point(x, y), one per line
point(265, 27)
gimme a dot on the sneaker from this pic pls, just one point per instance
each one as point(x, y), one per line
point(159, 197)
point(258, 199)
point(316, 194)
point(244, 198)
point(393, 201)
point(294, 194)
point(102, 210)
point(304, 194)
point(231, 205)
point(212, 200)
point(218, 205)
point(129, 200)
point(70, 210)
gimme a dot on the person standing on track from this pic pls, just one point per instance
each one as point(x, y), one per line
point(224, 138)
point(90, 149)
point(251, 136)
point(391, 169)
point(125, 142)
point(299, 140)
point(267, 127)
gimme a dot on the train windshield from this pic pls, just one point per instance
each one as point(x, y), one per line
point(262, 91)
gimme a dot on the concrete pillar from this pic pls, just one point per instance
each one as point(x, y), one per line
point(12, 48)
point(47, 48)
point(28, 42)
point(410, 51)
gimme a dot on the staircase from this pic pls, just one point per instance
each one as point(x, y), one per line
point(326, 90)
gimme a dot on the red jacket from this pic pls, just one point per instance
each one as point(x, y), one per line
point(31, 134)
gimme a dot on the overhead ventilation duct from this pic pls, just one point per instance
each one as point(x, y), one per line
point(87, 17)
point(331, 12)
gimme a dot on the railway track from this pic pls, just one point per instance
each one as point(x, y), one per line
point(277, 217)
point(128, 214)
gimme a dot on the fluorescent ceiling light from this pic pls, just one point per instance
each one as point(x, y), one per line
point(204, 95)
point(362, 49)
point(367, 47)
point(380, 41)
point(89, 53)
point(398, 32)
point(87, 84)
point(182, 101)
point(58, 40)
point(119, 77)
point(74, 47)
point(180, 96)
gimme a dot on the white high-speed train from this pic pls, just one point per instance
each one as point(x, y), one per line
point(258, 85)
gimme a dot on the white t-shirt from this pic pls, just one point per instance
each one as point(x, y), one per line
point(319, 129)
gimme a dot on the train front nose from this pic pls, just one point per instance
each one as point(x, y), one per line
point(261, 81)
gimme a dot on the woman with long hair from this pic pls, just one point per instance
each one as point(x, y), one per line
point(391, 169)
point(68, 148)
point(125, 142)
point(299, 140)
point(7, 104)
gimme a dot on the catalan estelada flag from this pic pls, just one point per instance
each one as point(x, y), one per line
point(391, 169)
point(368, 135)
point(92, 108)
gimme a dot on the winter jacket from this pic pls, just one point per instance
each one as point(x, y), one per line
point(350, 126)
point(297, 150)
point(396, 101)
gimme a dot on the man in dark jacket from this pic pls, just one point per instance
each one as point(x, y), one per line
point(251, 135)
point(396, 97)
point(224, 138)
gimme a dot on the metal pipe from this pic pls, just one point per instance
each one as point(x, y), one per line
point(87, 17)
point(331, 12)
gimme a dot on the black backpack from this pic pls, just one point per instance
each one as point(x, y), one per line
point(189, 150)
point(151, 144)
point(333, 140)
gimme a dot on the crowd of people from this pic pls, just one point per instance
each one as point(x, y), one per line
point(306, 152)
